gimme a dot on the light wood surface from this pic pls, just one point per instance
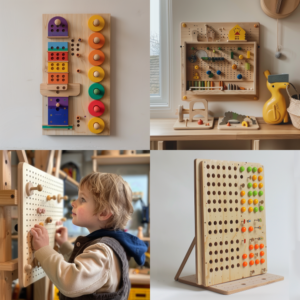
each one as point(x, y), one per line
point(285, 8)
point(79, 82)
point(123, 159)
point(8, 197)
point(162, 130)
point(138, 278)
point(9, 265)
point(238, 126)
point(236, 286)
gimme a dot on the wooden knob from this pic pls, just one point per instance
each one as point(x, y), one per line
point(59, 198)
point(41, 223)
point(50, 198)
point(57, 105)
point(96, 40)
point(96, 125)
point(96, 22)
point(77, 54)
point(30, 188)
point(57, 22)
point(28, 268)
point(63, 219)
point(37, 188)
point(49, 220)
point(96, 57)
point(96, 74)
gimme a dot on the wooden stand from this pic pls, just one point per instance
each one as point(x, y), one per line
point(230, 241)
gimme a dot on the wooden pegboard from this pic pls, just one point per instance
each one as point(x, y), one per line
point(28, 217)
point(194, 39)
point(79, 82)
point(220, 242)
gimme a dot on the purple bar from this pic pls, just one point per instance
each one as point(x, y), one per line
point(60, 30)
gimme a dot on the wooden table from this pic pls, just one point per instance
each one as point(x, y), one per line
point(163, 136)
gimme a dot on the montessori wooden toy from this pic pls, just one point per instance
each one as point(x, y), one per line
point(278, 9)
point(37, 194)
point(219, 61)
point(233, 121)
point(191, 122)
point(230, 223)
point(76, 74)
point(274, 110)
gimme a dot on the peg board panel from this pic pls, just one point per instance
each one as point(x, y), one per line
point(194, 35)
point(78, 105)
point(28, 217)
point(221, 243)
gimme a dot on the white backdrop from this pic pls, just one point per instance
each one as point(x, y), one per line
point(236, 11)
point(172, 216)
point(21, 74)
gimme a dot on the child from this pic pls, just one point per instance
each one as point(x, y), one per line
point(97, 266)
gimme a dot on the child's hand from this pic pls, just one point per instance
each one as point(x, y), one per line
point(61, 235)
point(40, 237)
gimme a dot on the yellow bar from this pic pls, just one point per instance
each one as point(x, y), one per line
point(58, 67)
point(248, 54)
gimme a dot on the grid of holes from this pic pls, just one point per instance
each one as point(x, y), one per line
point(74, 46)
point(51, 186)
point(224, 66)
point(58, 78)
point(58, 66)
point(215, 175)
point(58, 28)
point(58, 48)
point(55, 56)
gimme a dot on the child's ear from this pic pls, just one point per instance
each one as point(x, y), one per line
point(105, 215)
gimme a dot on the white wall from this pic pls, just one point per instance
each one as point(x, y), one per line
point(237, 11)
point(21, 74)
point(172, 208)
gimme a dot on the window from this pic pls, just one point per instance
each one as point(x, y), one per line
point(159, 53)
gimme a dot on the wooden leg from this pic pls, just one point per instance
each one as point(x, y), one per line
point(255, 144)
point(185, 259)
point(161, 145)
point(153, 145)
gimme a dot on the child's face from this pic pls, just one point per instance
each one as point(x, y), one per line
point(83, 211)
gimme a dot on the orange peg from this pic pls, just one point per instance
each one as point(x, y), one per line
point(245, 256)
point(245, 264)
point(255, 25)
point(262, 253)
point(251, 262)
point(251, 247)
point(256, 247)
point(228, 124)
point(244, 229)
point(257, 261)
point(250, 228)
point(243, 193)
point(251, 255)
point(262, 261)
point(254, 177)
point(261, 246)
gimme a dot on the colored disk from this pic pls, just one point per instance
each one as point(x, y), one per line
point(96, 74)
point(96, 23)
point(96, 57)
point(94, 123)
point(96, 108)
point(96, 91)
point(96, 40)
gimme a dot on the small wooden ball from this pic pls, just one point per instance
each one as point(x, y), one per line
point(57, 22)
point(96, 22)
point(96, 125)
point(96, 40)
point(57, 105)
point(96, 74)
point(96, 57)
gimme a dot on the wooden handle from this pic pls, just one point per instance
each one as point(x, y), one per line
point(49, 197)
point(37, 188)
point(278, 5)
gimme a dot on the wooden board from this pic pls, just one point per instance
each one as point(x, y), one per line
point(219, 221)
point(28, 217)
point(235, 286)
point(237, 126)
point(78, 105)
point(193, 34)
point(187, 125)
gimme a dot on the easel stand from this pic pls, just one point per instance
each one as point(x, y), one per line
point(226, 288)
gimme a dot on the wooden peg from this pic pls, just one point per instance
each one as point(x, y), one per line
point(57, 22)
point(57, 105)
point(50, 198)
point(41, 223)
point(30, 188)
point(96, 74)
point(60, 197)
point(63, 219)
point(28, 267)
point(96, 22)
point(49, 220)
point(96, 57)
point(96, 125)
point(140, 234)
point(96, 40)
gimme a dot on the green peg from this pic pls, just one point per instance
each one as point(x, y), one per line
point(211, 75)
point(255, 209)
point(260, 193)
point(207, 48)
point(96, 91)
point(214, 51)
point(254, 170)
point(239, 48)
point(193, 48)
point(249, 185)
point(249, 193)
point(254, 193)
point(242, 169)
point(231, 53)
point(261, 208)
point(219, 48)
point(249, 169)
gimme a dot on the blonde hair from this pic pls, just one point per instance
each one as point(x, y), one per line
point(111, 193)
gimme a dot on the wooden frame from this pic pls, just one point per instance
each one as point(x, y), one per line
point(220, 249)
point(194, 34)
point(78, 77)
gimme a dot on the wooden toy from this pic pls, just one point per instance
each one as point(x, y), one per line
point(76, 77)
point(219, 61)
point(191, 123)
point(280, 8)
point(233, 121)
point(230, 223)
point(274, 110)
point(37, 194)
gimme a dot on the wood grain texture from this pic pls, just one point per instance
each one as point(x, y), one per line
point(221, 37)
point(8, 197)
point(78, 105)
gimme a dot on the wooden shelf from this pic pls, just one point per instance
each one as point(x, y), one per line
point(122, 159)
point(161, 130)
point(138, 278)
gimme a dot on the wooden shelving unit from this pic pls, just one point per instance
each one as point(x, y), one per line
point(122, 159)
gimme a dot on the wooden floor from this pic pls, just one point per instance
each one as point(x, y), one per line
point(161, 131)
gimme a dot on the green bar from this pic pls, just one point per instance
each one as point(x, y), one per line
point(231, 55)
